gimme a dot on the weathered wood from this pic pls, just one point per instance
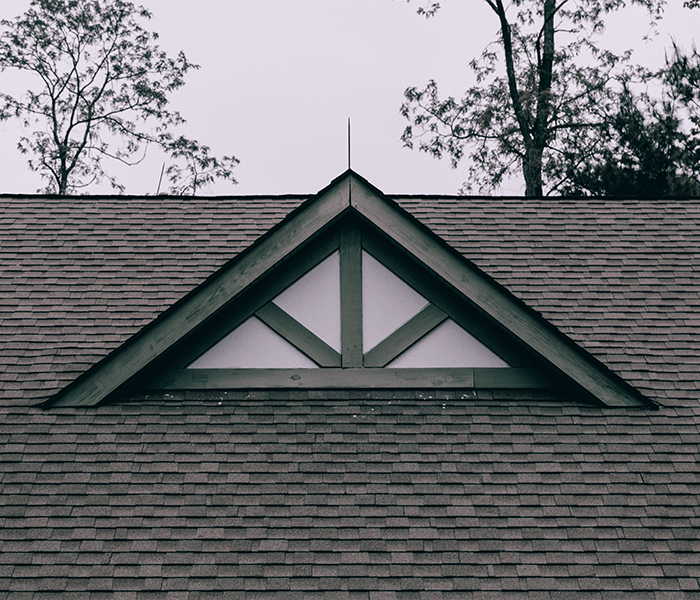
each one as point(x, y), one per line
point(456, 307)
point(298, 335)
point(130, 358)
point(494, 300)
point(242, 307)
point(207, 379)
point(332, 378)
point(405, 336)
point(212, 298)
point(351, 295)
point(515, 378)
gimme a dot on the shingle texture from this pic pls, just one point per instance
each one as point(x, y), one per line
point(81, 275)
point(620, 277)
point(366, 495)
point(422, 498)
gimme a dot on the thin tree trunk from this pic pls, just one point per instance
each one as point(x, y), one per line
point(63, 182)
point(533, 128)
point(532, 164)
point(532, 171)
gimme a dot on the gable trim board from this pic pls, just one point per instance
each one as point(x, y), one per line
point(334, 378)
point(349, 196)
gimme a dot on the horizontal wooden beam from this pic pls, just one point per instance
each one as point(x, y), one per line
point(482, 378)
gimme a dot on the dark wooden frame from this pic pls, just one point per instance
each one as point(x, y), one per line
point(339, 378)
point(351, 368)
point(243, 286)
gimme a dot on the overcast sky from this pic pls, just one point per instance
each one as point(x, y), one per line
point(279, 79)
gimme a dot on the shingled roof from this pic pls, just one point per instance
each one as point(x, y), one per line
point(371, 494)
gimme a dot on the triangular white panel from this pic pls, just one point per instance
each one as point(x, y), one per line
point(253, 345)
point(314, 301)
point(448, 345)
point(387, 302)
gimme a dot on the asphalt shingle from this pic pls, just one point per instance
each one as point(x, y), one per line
point(443, 505)
point(371, 495)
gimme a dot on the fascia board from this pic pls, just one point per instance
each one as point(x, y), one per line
point(191, 311)
point(493, 299)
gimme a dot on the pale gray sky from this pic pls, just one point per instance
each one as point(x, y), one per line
point(279, 78)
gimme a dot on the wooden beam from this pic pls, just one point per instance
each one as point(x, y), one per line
point(333, 378)
point(405, 336)
point(239, 309)
point(242, 379)
point(190, 312)
point(298, 335)
point(456, 307)
point(495, 379)
point(351, 295)
point(494, 300)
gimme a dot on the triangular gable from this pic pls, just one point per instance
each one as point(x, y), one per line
point(255, 292)
point(349, 319)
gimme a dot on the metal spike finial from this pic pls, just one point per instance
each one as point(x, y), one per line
point(348, 143)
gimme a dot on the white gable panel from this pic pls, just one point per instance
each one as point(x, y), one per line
point(387, 302)
point(253, 345)
point(314, 300)
point(448, 345)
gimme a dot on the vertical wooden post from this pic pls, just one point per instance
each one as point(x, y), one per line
point(351, 296)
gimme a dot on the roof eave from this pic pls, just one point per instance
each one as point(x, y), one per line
point(495, 300)
point(109, 374)
point(349, 192)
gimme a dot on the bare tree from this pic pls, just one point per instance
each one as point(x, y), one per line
point(535, 99)
point(102, 88)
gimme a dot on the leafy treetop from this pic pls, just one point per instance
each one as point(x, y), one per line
point(101, 88)
point(544, 88)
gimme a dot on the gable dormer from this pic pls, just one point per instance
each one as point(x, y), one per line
point(349, 291)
